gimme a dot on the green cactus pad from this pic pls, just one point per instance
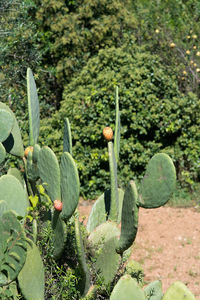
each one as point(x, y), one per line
point(100, 210)
point(153, 291)
point(158, 183)
point(13, 144)
point(84, 283)
point(17, 174)
point(2, 153)
point(6, 124)
point(13, 247)
point(179, 291)
point(59, 235)
point(13, 193)
point(49, 172)
point(127, 289)
point(33, 109)
point(129, 222)
point(31, 168)
point(70, 185)
point(117, 127)
point(104, 240)
point(3, 207)
point(31, 277)
point(114, 201)
point(67, 138)
point(36, 150)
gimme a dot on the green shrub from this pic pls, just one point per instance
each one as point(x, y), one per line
point(155, 116)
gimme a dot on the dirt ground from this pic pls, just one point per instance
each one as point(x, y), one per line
point(167, 245)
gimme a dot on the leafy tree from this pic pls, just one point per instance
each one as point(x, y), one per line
point(74, 31)
point(155, 116)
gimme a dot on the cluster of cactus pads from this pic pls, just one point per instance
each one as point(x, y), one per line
point(21, 266)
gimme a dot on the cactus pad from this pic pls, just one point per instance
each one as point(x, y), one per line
point(2, 153)
point(67, 139)
point(59, 235)
point(3, 207)
point(129, 221)
point(127, 289)
point(179, 291)
point(70, 185)
point(49, 172)
point(13, 247)
point(14, 194)
point(100, 210)
point(158, 183)
point(104, 241)
point(6, 124)
point(31, 277)
point(13, 144)
point(153, 291)
point(84, 283)
point(33, 109)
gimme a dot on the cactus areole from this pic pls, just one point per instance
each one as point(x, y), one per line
point(27, 150)
point(108, 133)
point(57, 204)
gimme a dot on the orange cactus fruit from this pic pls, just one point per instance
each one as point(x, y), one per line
point(27, 150)
point(108, 133)
point(57, 204)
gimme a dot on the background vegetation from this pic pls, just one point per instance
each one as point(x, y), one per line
point(80, 50)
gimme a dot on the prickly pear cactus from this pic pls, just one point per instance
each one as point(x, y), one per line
point(153, 291)
point(12, 192)
point(100, 209)
point(104, 240)
point(31, 276)
point(11, 140)
point(33, 109)
point(13, 247)
point(158, 183)
point(2, 153)
point(129, 220)
point(179, 291)
point(84, 283)
point(127, 289)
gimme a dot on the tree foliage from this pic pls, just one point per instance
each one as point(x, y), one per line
point(155, 116)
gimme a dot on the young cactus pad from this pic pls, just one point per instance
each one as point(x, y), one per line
point(33, 109)
point(158, 183)
point(179, 291)
point(13, 247)
point(127, 289)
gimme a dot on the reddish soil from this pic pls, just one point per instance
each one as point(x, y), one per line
point(167, 245)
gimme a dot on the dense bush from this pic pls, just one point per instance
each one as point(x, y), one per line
point(155, 116)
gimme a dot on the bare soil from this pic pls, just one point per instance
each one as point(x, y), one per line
point(167, 245)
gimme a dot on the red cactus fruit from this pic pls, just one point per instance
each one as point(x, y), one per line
point(57, 204)
point(108, 133)
point(27, 150)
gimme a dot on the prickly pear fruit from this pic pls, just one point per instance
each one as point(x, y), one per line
point(108, 133)
point(27, 150)
point(57, 204)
